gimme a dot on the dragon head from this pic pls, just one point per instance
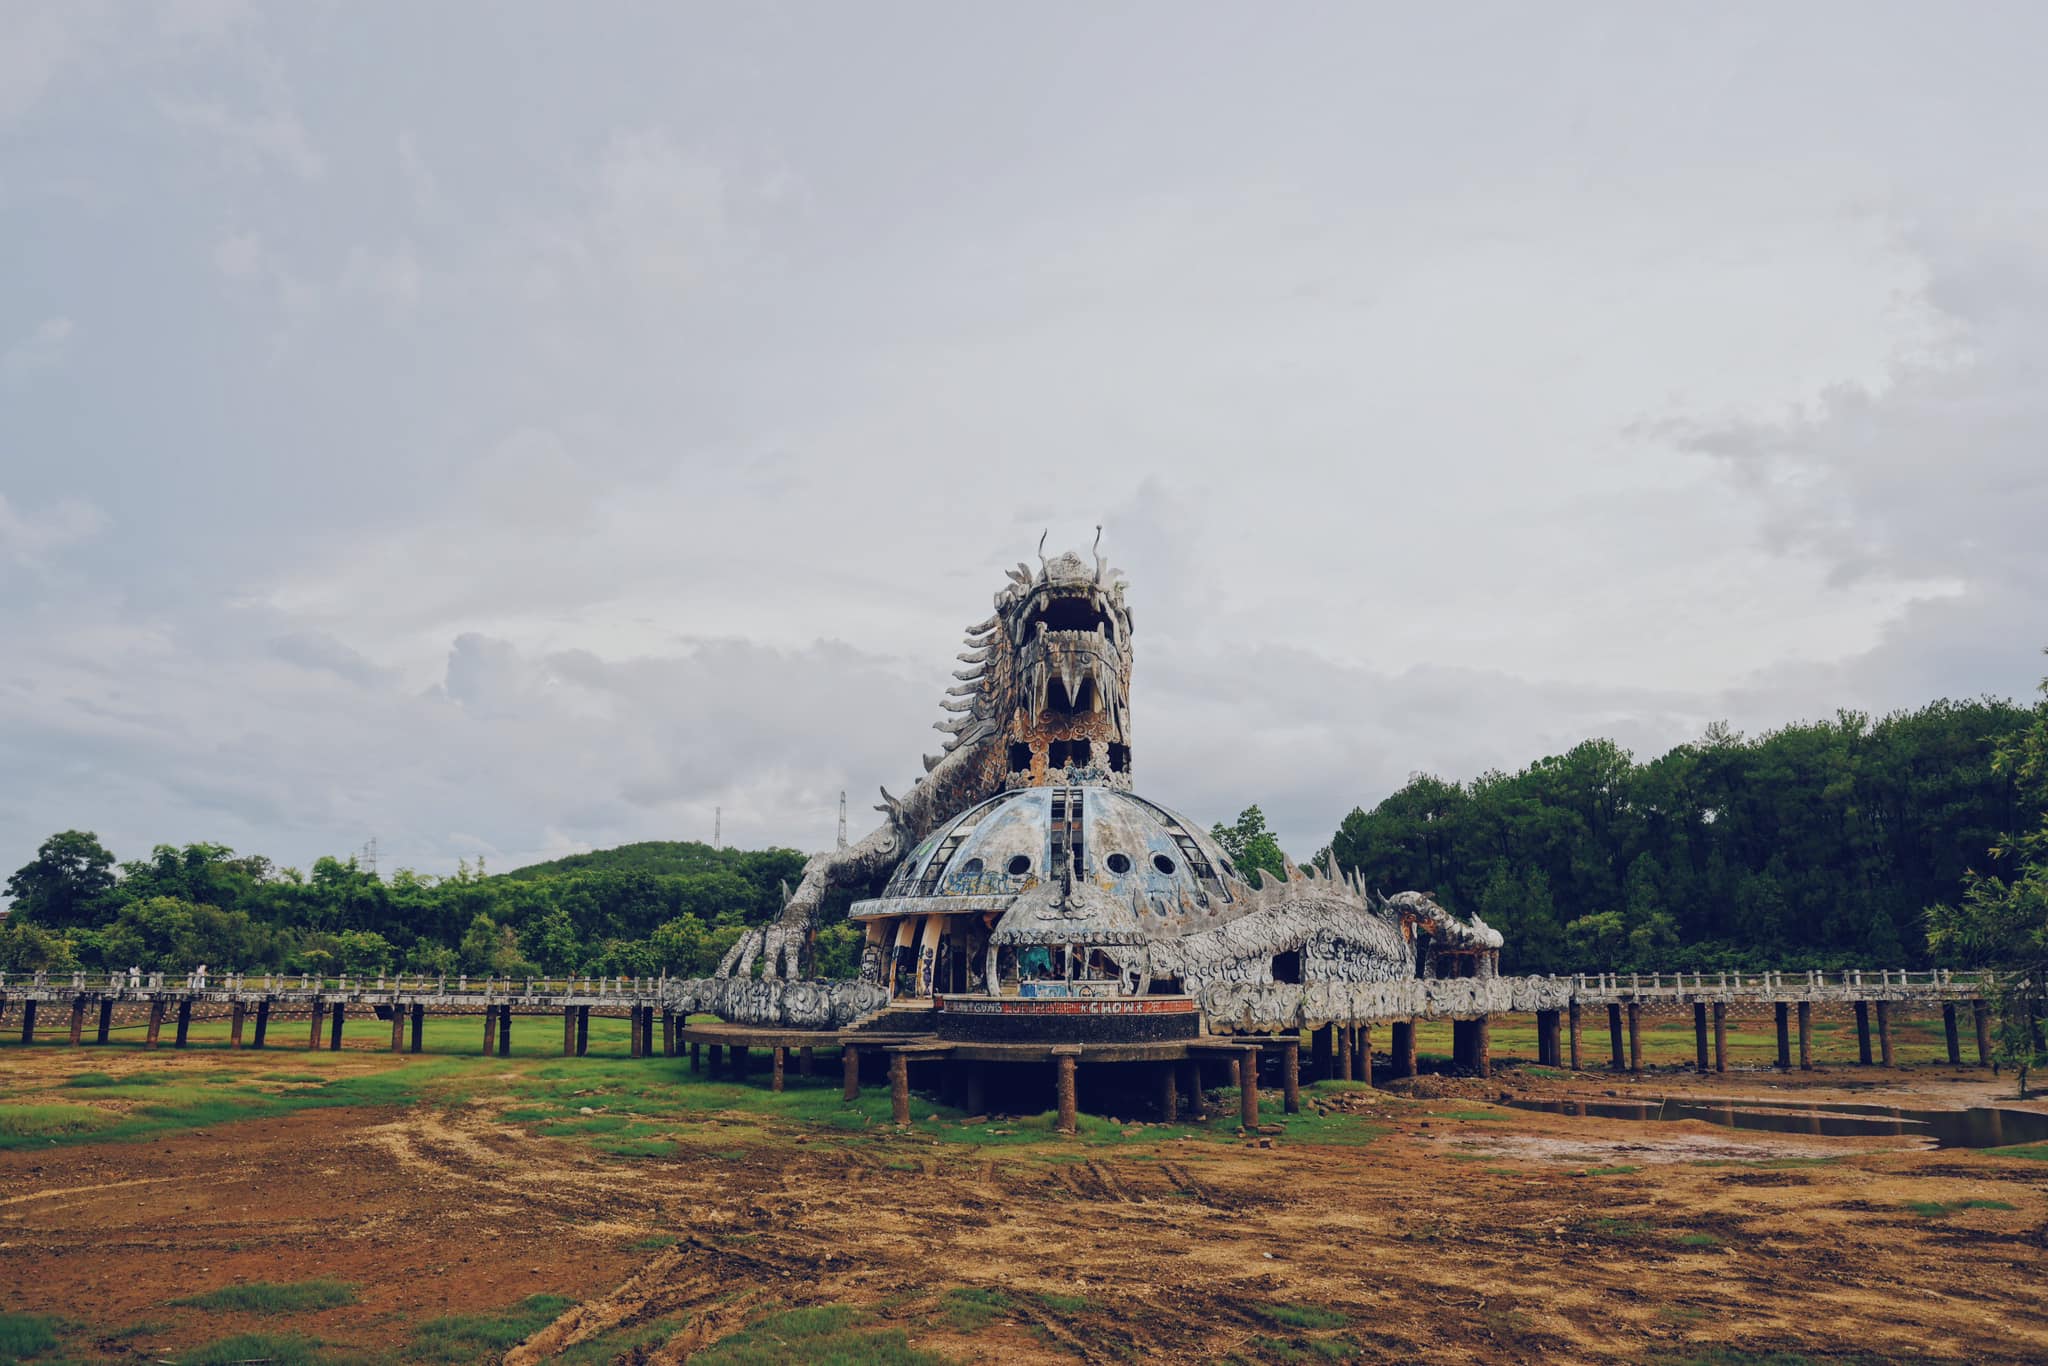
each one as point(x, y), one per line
point(1049, 677)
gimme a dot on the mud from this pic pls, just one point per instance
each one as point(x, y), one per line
point(1464, 1233)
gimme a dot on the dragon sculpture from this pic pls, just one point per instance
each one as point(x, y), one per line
point(1043, 701)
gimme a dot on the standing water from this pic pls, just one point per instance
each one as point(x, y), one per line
point(1975, 1128)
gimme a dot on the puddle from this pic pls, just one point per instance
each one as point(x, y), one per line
point(1975, 1128)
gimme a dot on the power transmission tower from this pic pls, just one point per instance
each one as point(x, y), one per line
point(842, 818)
point(370, 856)
point(718, 827)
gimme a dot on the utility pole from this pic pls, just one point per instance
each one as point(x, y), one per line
point(842, 818)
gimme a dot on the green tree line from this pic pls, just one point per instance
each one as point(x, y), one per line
point(1817, 845)
point(639, 909)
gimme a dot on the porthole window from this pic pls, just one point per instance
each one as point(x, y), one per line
point(1119, 864)
point(1020, 865)
point(971, 867)
point(1163, 864)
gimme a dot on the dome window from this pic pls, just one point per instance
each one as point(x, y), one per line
point(1020, 865)
point(1119, 864)
point(1164, 864)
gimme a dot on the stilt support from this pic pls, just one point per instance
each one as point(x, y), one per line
point(1948, 1029)
point(334, 1033)
point(1783, 1011)
point(106, 1019)
point(1699, 1036)
point(1720, 1036)
point(1404, 1048)
point(78, 1022)
point(236, 1015)
point(1572, 1016)
point(1806, 1036)
point(899, 1089)
point(775, 1063)
point(849, 1070)
point(1290, 1075)
point(1980, 1014)
point(1884, 1032)
point(1620, 1063)
point(1635, 1036)
point(419, 1026)
point(1248, 1089)
point(1863, 1032)
point(262, 1022)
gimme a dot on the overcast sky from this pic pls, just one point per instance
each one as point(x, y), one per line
point(508, 430)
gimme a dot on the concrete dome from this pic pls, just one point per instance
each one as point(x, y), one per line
point(1144, 854)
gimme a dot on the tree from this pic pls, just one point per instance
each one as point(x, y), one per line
point(1250, 845)
point(2001, 925)
point(63, 885)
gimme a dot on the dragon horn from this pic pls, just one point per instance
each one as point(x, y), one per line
point(1041, 551)
point(1293, 868)
point(1098, 554)
point(931, 761)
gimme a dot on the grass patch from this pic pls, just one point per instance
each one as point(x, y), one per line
point(266, 1297)
point(1305, 1316)
point(653, 1242)
point(1768, 1164)
point(628, 1344)
point(1623, 1170)
point(2032, 1152)
point(972, 1308)
point(1614, 1228)
point(1697, 1240)
point(1066, 1304)
point(472, 1337)
point(23, 1125)
point(1473, 1116)
point(831, 1335)
point(25, 1335)
point(290, 1349)
point(88, 1081)
point(1935, 1209)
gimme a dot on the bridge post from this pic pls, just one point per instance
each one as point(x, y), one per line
point(28, 1021)
point(1191, 1089)
point(236, 1014)
point(1572, 1015)
point(1362, 1064)
point(1323, 1052)
point(1248, 1090)
point(490, 1030)
point(1699, 1035)
point(1482, 1045)
point(419, 1024)
point(1783, 1011)
point(1620, 1062)
point(1948, 1029)
point(1806, 1036)
point(668, 1039)
point(319, 1023)
point(1290, 1075)
point(1863, 1032)
point(1344, 1053)
point(106, 1018)
point(156, 1021)
point(633, 1030)
point(776, 1056)
point(1980, 1014)
point(1720, 1036)
point(1884, 1032)
point(849, 1070)
point(505, 1031)
point(647, 1031)
point(77, 1021)
point(262, 1022)
point(899, 1090)
point(568, 1031)
point(397, 1027)
point(334, 1032)
point(582, 1030)
point(184, 1022)
point(1635, 1036)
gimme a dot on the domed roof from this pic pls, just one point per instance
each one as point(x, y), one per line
point(1134, 849)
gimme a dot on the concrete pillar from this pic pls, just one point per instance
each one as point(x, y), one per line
point(1063, 1084)
point(1635, 1036)
point(775, 1063)
point(1169, 1095)
point(1191, 1090)
point(106, 1019)
point(568, 1031)
point(1482, 1044)
point(490, 1030)
point(184, 1022)
point(1236, 1067)
point(1323, 1052)
point(28, 1021)
point(582, 1030)
point(1699, 1036)
point(334, 1034)
point(1614, 1037)
point(1248, 1090)
point(262, 1022)
point(1290, 1074)
point(849, 1071)
point(397, 1027)
point(1720, 1036)
point(1884, 1032)
point(419, 1025)
point(899, 1089)
point(77, 1021)
point(1344, 1053)
point(1362, 1062)
point(1948, 1029)
point(1806, 1036)
point(1980, 1014)
point(1572, 1016)
point(1863, 1032)
point(504, 1031)
point(1404, 1048)
point(236, 1013)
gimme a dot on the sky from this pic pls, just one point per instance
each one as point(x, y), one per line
point(503, 430)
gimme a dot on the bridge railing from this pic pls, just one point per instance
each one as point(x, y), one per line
point(138, 982)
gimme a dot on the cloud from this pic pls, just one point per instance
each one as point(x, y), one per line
point(256, 138)
point(31, 538)
point(41, 350)
point(43, 41)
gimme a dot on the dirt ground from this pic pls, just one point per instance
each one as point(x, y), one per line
point(1445, 1227)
